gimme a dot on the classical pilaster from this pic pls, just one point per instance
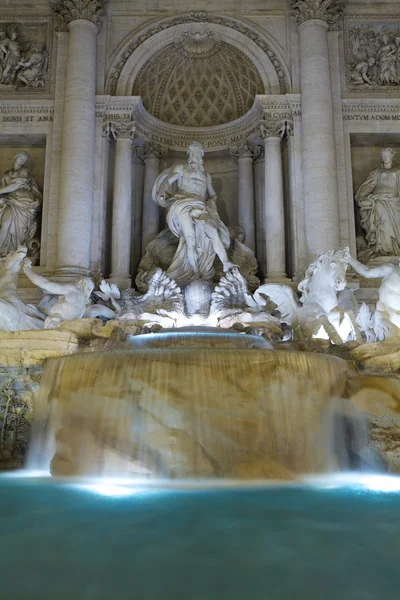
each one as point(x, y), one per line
point(274, 217)
point(318, 135)
point(121, 234)
point(151, 211)
point(245, 155)
point(78, 140)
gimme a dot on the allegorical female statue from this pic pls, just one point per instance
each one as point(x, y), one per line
point(378, 200)
point(193, 218)
point(20, 200)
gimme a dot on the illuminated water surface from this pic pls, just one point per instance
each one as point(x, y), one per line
point(110, 539)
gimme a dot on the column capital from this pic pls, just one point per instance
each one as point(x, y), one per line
point(67, 11)
point(273, 128)
point(114, 130)
point(328, 11)
point(245, 150)
point(150, 150)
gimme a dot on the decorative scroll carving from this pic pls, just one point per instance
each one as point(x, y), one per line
point(24, 55)
point(119, 129)
point(273, 128)
point(149, 149)
point(71, 10)
point(199, 17)
point(329, 11)
point(245, 149)
point(373, 55)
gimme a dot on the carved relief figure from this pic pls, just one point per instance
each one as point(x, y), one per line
point(32, 69)
point(378, 200)
point(193, 218)
point(23, 61)
point(20, 200)
point(12, 55)
point(374, 55)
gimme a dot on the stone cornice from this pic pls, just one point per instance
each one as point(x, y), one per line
point(371, 109)
point(329, 11)
point(67, 11)
point(271, 109)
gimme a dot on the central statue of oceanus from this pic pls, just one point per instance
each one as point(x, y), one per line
point(187, 193)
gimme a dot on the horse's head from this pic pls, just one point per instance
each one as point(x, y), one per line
point(13, 261)
point(328, 271)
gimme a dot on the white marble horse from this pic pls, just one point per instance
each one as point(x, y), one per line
point(319, 313)
point(15, 314)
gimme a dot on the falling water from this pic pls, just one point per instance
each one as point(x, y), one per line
point(186, 412)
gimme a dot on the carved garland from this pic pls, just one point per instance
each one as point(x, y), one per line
point(198, 17)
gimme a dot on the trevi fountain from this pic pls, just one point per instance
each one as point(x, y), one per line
point(199, 299)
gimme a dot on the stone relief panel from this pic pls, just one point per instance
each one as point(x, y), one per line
point(24, 55)
point(373, 55)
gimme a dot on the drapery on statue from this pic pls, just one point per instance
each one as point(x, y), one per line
point(378, 200)
point(193, 218)
point(20, 200)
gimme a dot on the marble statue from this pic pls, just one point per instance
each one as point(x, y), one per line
point(64, 301)
point(385, 322)
point(193, 218)
point(229, 305)
point(20, 201)
point(14, 313)
point(318, 314)
point(378, 200)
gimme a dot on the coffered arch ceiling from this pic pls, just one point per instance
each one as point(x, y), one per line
point(198, 81)
point(198, 70)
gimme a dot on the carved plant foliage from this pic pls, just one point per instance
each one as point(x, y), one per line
point(15, 412)
point(325, 10)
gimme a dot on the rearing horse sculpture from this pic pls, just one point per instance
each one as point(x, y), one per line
point(319, 313)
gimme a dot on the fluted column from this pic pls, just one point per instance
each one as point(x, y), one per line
point(121, 234)
point(274, 217)
point(318, 135)
point(151, 210)
point(246, 220)
point(78, 139)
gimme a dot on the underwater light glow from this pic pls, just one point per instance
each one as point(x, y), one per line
point(368, 481)
point(110, 489)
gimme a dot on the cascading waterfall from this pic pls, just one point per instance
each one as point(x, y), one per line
point(186, 412)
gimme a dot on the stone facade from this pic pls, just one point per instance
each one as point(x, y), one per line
point(292, 102)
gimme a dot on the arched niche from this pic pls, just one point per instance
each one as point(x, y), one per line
point(259, 48)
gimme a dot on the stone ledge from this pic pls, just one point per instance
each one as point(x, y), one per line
point(27, 348)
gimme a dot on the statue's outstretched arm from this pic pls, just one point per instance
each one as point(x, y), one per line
point(49, 286)
point(370, 272)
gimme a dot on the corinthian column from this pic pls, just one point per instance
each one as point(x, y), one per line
point(246, 221)
point(151, 210)
point(274, 217)
point(121, 234)
point(318, 136)
point(78, 140)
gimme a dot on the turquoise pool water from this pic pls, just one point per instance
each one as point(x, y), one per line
point(62, 541)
